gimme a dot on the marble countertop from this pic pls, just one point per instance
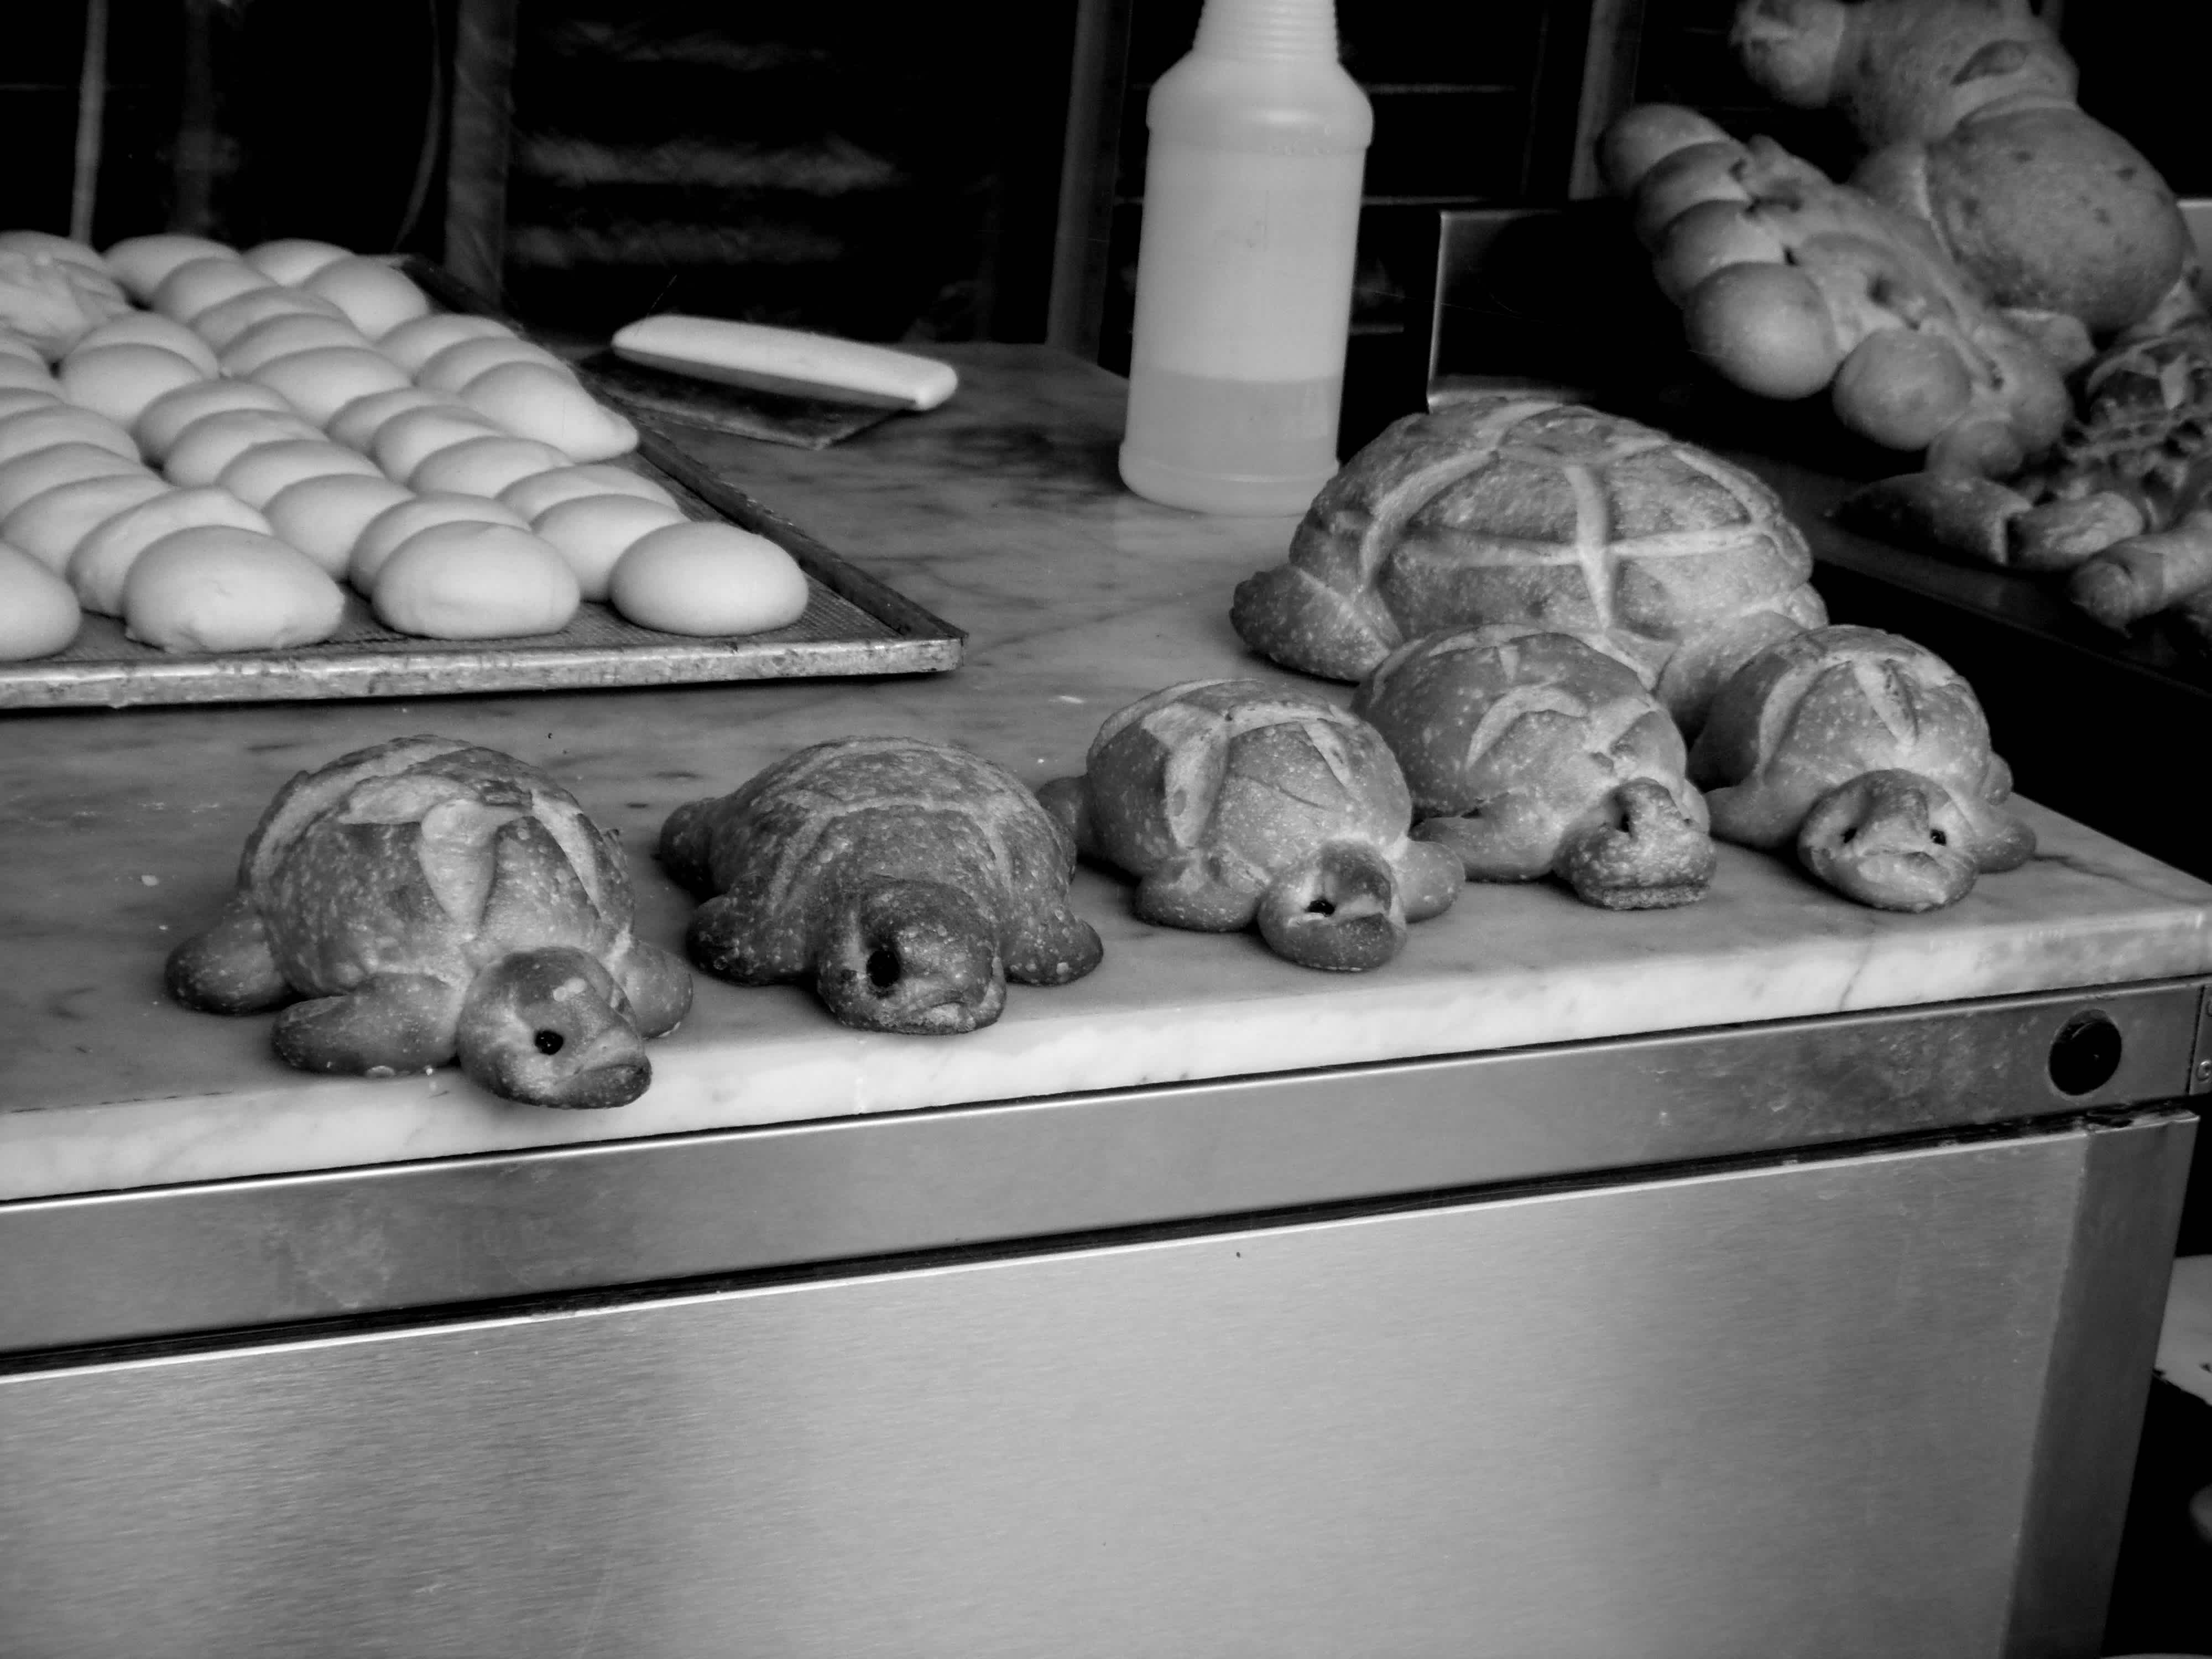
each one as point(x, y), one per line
point(120, 832)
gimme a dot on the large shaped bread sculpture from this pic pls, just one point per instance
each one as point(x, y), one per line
point(908, 880)
point(1531, 754)
point(1872, 758)
point(1519, 509)
point(1232, 802)
point(428, 899)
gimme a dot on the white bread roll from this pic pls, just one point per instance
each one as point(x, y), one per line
point(355, 425)
point(376, 297)
point(320, 382)
point(16, 400)
point(259, 473)
point(475, 581)
point(199, 284)
point(140, 263)
point(39, 615)
point(708, 580)
point(324, 517)
point(292, 259)
point(42, 470)
point(45, 245)
point(214, 441)
point(34, 375)
point(43, 428)
point(594, 532)
point(413, 344)
point(50, 526)
point(221, 324)
point(119, 381)
point(549, 404)
point(534, 495)
point(383, 534)
point(103, 559)
point(482, 466)
point(150, 328)
point(166, 418)
point(461, 362)
point(219, 589)
point(408, 438)
point(284, 336)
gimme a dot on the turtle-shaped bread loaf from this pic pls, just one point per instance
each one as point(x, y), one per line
point(908, 880)
point(1516, 507)
point(1531, 753)
point(1873, 756)
point(1232, 800)
point(431, 899)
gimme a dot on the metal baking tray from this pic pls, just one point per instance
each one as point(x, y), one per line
point(853, 624)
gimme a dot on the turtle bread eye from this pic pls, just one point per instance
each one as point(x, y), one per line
point(548, 1043)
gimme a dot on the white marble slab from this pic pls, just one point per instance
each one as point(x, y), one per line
point(120, 832)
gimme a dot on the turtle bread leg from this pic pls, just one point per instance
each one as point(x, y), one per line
point(1340, 909)
point(550, 1027)
point(1052, 947)
point(1430, 877)
point(1642, 854)
point(388, 1022)
point(908, 955)
point(229, 968)
point(657, 983)
point(1506, 838)
point(1894, 840)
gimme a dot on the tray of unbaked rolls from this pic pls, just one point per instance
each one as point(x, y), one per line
point(297, 472)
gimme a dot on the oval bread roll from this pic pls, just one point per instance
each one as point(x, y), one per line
point(484, 466)
point(293, 259)
point(219, 589)
point(150, 328)
point(320, 382)
point(382, 536)
point(258, 474)
point(50, 469)
point(140, 263)
point(594, 532)
point(533, 496)
point(119, 381)
point(475, 581)
point(324, 517)
point(103, 559)
point(374, 297)
point(214, 441)
point(550, 404)
point(166, 418)
point(286, 335)
point(39, 615)
point(462, 361)
point(62, 423)
point(414, 343)
point(708, 579)
point(200, 284)
point(220, 326)
point(412, 436)
point(31, 376)
point(355, 425)
point(50, 526)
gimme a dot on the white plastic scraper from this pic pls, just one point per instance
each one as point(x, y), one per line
point(788, 361)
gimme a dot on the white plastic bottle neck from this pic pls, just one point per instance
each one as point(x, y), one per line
point(1267, 30)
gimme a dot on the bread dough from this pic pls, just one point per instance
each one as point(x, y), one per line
point(166, 418)
point(285, 335)
point(103, 559)
point(220, 589)
point(199, 284)
point(484, 466)
point(140, 263)
point(214, 441)
point(50, 469)
point(16, 400)
point(320, 382)
point(37, 613)
point(49, 524)
point(708, 580)
point(414, 343)
point(257, 474)
point(62, 423)
point(384, 533)
point(325, 516)
point(375, 296)
point(28, 376)
point(119, 381)
point(594, 532)
point(293, 259)
point(150, 328)
point(220, 326)
point(533, 496)
point(532, 400)
point(412, 436)
point(14, 346)
point(458, 364)
point(45, 245)
point(475, 581)
point(355, 425)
